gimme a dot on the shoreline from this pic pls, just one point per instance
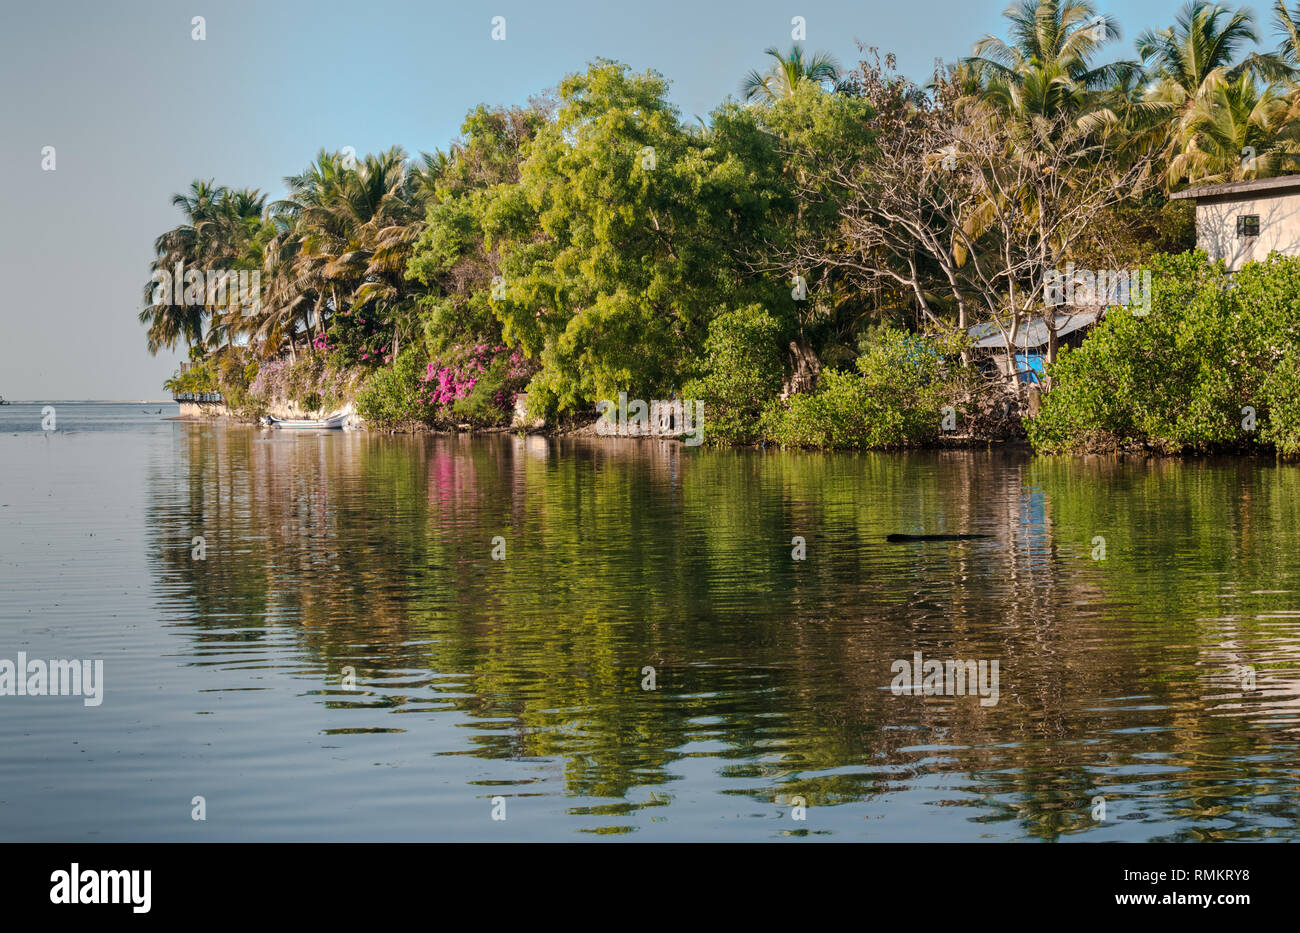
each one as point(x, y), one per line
point(1019, 445)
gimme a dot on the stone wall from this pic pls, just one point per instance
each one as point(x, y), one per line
point(280, 408)
point(204, 410)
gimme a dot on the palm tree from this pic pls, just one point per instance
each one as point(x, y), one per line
point(342, 239)
point(781, 79)
point(1201, 46)
point(1283, 65)
point(1197, 71)
point(294, 285)
point(289, 289)
point(1046, 69)
point(389, 216)
point(1227, 120)
point(221, 233)
point(181, 249)
point(237, 242)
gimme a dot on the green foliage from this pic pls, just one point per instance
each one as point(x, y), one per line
point(393, 396)
point(1281, 393)
point(474, 383)
point(359, 337)
point(894, 399)
point(1179, 379)
point(1132, 234)
point(227, 371)
point(458, 319)
point(744, 371)
point(486, 404)
point(450, 257)
point(452, 231)
point(620, 237)
point(199, 378)
point(232, 375)
point(814, 125)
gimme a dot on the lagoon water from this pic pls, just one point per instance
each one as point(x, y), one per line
point(328, 553)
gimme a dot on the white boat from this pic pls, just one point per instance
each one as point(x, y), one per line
point(335, 423)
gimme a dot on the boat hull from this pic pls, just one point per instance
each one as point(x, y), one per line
point(324, 424)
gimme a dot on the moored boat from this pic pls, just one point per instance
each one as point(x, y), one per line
point(335, 423)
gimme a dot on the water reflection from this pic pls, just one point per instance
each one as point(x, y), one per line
point(1120, 677)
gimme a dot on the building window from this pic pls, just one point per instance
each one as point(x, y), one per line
point(1247, 225)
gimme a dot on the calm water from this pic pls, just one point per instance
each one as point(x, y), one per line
point(522, 679)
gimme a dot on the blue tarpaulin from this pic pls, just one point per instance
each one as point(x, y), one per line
point(1030, 367)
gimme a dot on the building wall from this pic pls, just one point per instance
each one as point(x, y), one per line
point(1279, 226)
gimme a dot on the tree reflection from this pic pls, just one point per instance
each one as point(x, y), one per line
point(375, 553)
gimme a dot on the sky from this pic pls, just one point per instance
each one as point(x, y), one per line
point(136, 109)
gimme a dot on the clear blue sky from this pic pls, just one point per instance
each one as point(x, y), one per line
point(136, 109)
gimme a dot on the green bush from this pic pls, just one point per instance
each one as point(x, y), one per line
point(895, 399)
point(1281, 395)
point(224, 370)
point(200, 377)
point(486, 404)
point(393, 396)
point(744, 371)
point(1179, 379)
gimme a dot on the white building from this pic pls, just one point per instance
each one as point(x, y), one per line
point(1244, 221)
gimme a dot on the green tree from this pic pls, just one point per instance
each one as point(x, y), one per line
point(1180, 377)
point(625, 233)
point(1233, 130)
point(894, 398)
point(343, 237)
point(1197, 71)
point(451, 257)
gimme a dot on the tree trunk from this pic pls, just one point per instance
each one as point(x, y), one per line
point(804, 369)
point(1052, 343)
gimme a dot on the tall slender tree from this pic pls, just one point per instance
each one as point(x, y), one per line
point(1047, 69)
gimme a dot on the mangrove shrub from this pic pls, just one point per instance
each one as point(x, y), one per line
point(1212, 366)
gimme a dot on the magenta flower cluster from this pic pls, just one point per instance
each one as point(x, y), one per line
point(453, 376)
